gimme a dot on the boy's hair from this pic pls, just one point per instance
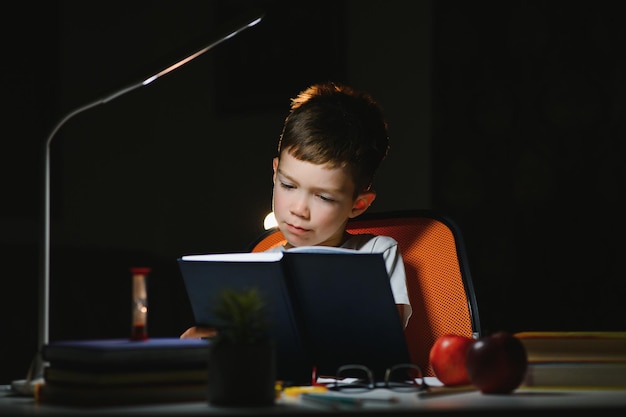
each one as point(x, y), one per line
point(334, 124)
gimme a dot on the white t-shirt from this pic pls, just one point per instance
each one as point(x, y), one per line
point(393, 260)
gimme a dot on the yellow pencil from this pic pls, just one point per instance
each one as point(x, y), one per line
point(438, 391)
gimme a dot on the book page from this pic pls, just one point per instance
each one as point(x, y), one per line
point(236, 257)
point(268, 256)
point(321, 249)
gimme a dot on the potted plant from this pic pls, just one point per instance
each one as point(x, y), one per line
point(241, 364)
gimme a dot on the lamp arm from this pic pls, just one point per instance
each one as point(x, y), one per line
point(44, 283)
point(35, 373)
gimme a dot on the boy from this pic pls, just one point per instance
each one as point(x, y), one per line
point(333, 141)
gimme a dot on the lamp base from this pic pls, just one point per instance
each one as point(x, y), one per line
point(26, 387)
point(34, 379)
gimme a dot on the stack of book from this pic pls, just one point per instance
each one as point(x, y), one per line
point(575, 359)
point(121, 371)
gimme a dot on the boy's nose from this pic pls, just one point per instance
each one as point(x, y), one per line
point(300, 207)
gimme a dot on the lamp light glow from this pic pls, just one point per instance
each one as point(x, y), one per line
point(269, 221)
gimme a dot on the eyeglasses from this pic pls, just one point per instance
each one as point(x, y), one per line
point(401, 377)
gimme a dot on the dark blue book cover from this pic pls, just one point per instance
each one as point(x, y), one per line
point(126, 353)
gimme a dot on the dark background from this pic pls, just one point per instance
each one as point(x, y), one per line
point(507, 116)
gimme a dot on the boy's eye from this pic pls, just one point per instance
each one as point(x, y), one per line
point(287, 186)
point(325, 198)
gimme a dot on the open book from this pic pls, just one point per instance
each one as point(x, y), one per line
point(267, 256)
point(328, 306)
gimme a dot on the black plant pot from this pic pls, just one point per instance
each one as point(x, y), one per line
point(241, 374)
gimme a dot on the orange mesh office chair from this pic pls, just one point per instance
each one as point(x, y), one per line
point(438, 277)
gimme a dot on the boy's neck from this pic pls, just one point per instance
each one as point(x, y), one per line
point(346, 236)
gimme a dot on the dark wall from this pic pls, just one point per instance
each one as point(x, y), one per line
point(529, 140)
point(182, 165)
point(526, 150)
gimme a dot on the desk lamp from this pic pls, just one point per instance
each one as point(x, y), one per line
point(35, 373)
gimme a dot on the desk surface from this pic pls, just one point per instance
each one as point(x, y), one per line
point(521, 402)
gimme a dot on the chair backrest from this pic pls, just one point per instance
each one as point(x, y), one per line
point(438, 277)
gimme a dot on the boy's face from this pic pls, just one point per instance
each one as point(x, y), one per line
point(312, 203)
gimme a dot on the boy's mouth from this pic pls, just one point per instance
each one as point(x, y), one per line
point(296, 229)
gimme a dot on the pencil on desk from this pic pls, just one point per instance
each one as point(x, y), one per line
point(331, 400)
point(439, 391)
point(336, 401)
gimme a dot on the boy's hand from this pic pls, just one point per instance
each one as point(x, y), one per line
point(197, 332)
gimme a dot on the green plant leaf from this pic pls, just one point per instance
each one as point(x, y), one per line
point(242, 316)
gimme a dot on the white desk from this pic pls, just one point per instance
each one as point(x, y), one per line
point(521, 402)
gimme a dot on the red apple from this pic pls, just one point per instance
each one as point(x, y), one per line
point(496, 364)
point(448, 358)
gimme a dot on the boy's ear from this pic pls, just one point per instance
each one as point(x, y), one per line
point(275, 168)
point(362, 203)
